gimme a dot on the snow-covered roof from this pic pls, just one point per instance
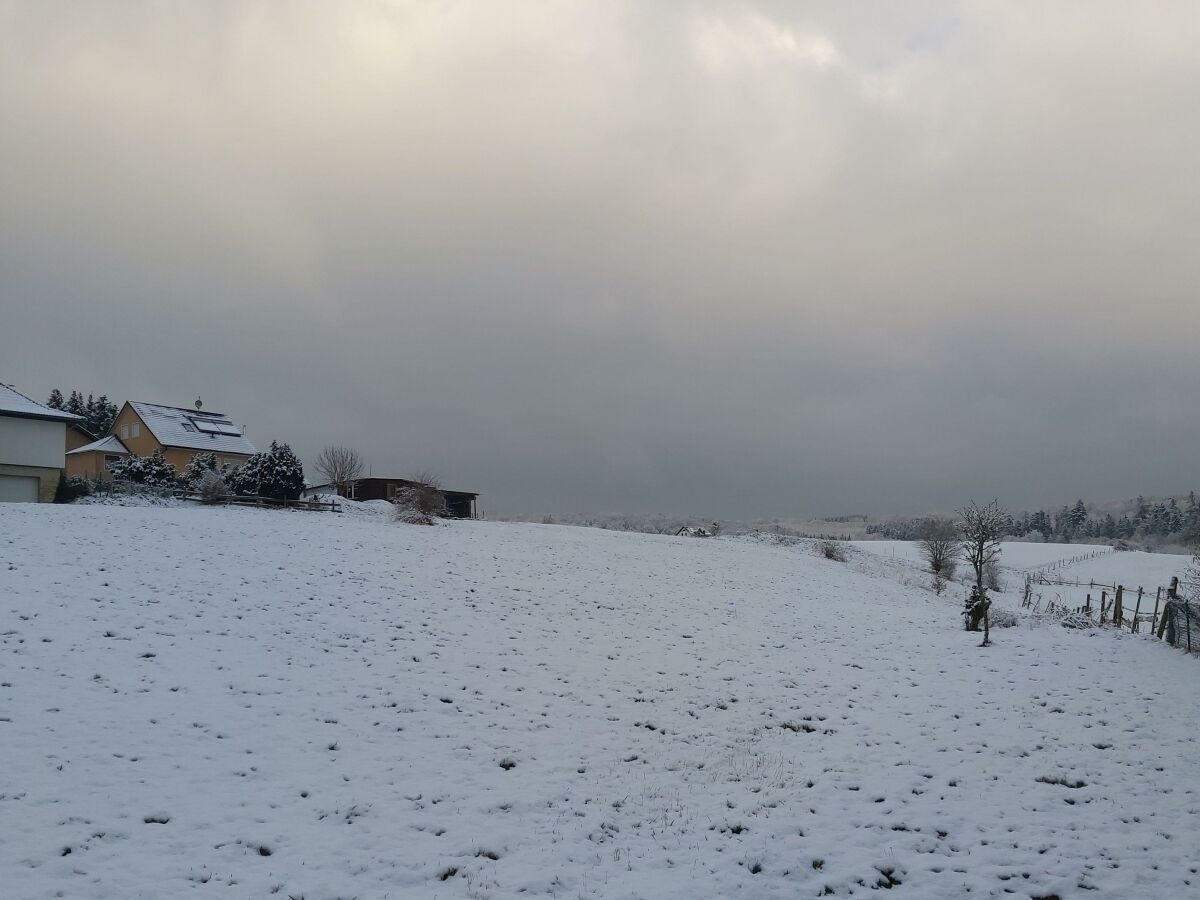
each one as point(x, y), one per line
point(110, 444)
point(173, 426)
point(14, 403)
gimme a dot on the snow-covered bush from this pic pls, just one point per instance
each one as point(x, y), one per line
point(152, 471)
point(422, 501)
point(242, 480)
point(71, 488)
point(832, 550)
point(1002, 618)
point(196, 467)
point(211, 486)
point(277, 473)
point(418, 505)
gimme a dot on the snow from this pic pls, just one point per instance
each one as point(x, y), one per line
point(13, 402)
point(210, 701)
point(110, 444)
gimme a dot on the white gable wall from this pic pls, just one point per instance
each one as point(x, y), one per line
point(32, 442)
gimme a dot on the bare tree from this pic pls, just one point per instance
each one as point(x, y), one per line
point(341, 466)
point(980, 531)
point(939, 543)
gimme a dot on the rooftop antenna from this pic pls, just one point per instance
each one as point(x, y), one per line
point(198, 403)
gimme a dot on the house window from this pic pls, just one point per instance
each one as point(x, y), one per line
point(125, 431)
point(135, 430)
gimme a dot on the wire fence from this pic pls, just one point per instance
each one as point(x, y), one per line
point(1046, 568)
point(1171, 618)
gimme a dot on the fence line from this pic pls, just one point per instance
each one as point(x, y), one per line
point(1171, 618)
point(116, 487)
point(1070, 560)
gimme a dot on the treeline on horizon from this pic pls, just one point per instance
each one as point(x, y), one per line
point(1170, 520)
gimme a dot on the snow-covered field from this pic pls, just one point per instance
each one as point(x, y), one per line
point(245, 703)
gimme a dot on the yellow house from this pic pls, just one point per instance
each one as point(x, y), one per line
point(180, 434)
point(91, 461)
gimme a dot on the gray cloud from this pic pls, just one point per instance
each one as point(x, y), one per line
point(719, 258)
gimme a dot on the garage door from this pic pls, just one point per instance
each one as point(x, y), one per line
point(18, 489)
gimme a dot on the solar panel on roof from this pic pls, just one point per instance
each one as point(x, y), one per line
point(208, 426)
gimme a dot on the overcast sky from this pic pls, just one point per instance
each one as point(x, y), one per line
point(722, 259)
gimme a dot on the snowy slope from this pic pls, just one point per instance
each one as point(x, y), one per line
point(242, 703)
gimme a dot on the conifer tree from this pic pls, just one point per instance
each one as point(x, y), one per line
point(76, 406)
point(197, 466)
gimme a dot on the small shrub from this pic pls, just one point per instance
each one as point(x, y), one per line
point(1002, 618)
point(832, 550)
point(406, 511)
point(71, 489)
point(197, 466)
point(422, 502)
point(211, 486)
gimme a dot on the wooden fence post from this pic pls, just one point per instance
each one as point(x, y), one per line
point(1157, 600)
point(1138, 608)
point(1103, 604)
point(1118, 612)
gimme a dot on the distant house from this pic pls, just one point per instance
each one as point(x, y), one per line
point(92, 460)
point(33, 443)
point(459, 504)
point(180, 434)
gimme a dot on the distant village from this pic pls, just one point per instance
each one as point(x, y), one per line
point(70, 447)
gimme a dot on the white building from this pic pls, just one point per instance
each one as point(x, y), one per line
point(33, 447)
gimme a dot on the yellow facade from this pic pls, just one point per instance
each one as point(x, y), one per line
point(77, 438)
point(90, 465)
